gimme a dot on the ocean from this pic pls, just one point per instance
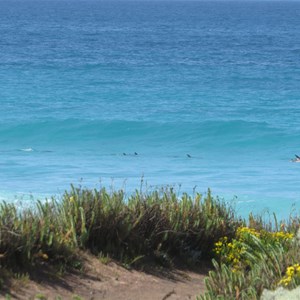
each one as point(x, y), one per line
point(150, 94)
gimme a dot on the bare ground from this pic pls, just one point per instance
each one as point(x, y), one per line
point(110, 281)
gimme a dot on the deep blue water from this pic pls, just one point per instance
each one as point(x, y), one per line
point(82, 82)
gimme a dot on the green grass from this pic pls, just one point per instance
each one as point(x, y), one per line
point(159, 225)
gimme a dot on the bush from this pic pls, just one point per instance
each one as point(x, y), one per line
point(159, 224)
point(252, 261)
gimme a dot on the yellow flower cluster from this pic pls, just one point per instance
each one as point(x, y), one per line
point(233, 252)
point(281, 235)
point(219, 246)
point(246, 230)
point(277, 236)
point(291, 273)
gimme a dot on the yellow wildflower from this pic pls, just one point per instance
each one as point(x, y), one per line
point(246, 230)
point(291, 273)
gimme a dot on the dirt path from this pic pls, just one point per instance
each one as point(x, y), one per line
point(111, 281)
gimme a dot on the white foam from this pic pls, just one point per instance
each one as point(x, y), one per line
point(27, 150)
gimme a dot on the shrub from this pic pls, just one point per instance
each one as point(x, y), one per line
point(253, 260)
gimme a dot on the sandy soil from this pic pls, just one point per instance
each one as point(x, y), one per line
point(111, 281)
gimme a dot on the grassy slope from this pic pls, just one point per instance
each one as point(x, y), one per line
point(160, 227)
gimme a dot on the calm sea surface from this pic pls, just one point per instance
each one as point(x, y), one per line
point(82, 82)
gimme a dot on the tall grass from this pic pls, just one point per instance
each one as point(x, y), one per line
point(156, 225)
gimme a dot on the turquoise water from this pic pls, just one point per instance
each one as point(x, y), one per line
point(82, 82)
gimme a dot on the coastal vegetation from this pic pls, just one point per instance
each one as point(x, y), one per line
point(163, 227)
point(258, 257)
